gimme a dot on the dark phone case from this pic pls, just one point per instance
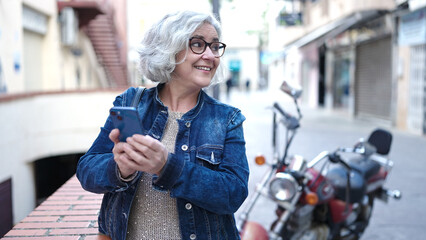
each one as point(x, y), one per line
point(126, 119)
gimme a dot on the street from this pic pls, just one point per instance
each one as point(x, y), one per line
point(322, 130)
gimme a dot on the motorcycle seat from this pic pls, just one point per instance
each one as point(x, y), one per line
point(338, 178)
point(367, 168)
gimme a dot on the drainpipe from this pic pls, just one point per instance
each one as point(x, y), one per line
point(216, 7)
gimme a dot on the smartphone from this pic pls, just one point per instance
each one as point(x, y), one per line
point(126, 119)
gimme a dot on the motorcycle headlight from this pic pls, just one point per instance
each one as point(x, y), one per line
point(283, 187)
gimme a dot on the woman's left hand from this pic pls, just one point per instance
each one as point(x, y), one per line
point(149, 154)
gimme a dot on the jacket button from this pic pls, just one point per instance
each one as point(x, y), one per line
point(188, 206)
point(192, 236)
point(156, 136)
point(188, 124)
point(184, 147)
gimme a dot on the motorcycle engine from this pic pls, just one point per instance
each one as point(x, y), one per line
point(319, 232)
point(353, 215)
point(358, 209)
point(300, 224)
point(301, 219)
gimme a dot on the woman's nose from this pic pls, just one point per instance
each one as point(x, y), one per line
point(208, 53)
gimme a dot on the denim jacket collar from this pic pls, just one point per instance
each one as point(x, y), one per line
point(191, 114)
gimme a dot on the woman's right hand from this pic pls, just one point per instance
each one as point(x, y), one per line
point(125, 164)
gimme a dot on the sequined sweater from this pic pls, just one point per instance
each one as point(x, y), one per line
point(154, 213)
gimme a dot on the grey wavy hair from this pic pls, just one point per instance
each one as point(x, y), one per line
point(168, 37)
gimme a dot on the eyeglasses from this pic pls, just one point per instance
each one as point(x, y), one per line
point(198, 46)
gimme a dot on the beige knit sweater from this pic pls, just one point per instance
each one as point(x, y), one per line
point(154, 213)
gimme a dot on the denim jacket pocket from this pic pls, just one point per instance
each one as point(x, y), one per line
point(210, 155)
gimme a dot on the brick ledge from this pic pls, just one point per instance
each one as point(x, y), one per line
point(69, 213)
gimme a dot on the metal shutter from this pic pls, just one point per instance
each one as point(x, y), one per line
point(373, 79)
point(417, 89)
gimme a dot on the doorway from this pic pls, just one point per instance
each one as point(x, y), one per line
point(52, 172)
point(6, 214)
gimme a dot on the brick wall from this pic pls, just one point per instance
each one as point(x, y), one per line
point(70, 213)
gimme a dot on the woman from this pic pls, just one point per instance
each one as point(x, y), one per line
point(187, 174)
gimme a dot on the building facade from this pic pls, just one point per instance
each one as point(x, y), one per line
point(55, 57)
point(411, 68)
point(362, 58)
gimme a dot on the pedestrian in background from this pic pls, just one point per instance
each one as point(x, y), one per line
point(187, 174)
point(228, 87)
point(248, 84)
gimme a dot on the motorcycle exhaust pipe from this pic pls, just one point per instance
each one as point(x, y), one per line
point(385, 194)
point(396, 194)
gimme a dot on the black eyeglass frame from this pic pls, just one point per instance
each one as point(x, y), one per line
point(206, 44)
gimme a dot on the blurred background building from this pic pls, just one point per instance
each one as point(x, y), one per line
point(365, 59)
point(63, 62)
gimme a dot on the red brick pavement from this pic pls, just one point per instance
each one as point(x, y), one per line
point(70, 213)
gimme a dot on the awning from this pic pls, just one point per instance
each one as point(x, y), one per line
point(332, 29)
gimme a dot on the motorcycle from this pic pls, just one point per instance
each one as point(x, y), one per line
point(330, 197)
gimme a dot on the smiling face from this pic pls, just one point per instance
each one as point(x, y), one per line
point(198, 69)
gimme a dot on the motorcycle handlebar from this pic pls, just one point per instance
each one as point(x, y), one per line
point(363, 148)
point(290, 121)
point(334, 157)
point(278, 107)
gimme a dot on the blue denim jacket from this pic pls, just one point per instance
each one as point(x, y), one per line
point(207, 174)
